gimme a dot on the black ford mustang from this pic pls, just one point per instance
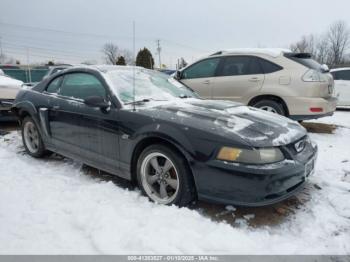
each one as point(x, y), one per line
point(177, 146)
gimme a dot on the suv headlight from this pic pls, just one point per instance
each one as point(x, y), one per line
point(247, 156)
point(314, 76)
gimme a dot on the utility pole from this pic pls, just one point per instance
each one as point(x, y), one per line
point(1, 53)
point(28, 67)
point(158, 51)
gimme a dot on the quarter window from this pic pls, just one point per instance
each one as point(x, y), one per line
point(240, 65)
point(54, 85)
point(205, 68)
point(269, 67)
point(81, 86)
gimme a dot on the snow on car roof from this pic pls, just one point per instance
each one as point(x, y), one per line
point(274, 52)
point(8, 81)
point(340, 69)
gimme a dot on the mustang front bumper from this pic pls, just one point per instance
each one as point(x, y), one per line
point(254, 185)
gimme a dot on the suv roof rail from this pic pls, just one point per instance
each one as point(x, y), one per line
point(274, 52)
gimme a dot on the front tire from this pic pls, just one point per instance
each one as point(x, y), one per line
point(163, 175)
point(31, 138)
point(270, 106)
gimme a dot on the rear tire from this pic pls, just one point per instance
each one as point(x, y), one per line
point(31, 138)
point(164, 176)
point(270, 106)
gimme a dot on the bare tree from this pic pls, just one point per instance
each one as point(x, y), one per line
point(127, 54)
point(338, 37)
point(323, 54)
point(5, 59)
point(111, 52)
point(306, 44)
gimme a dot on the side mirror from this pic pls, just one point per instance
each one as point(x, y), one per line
point(325, 68)
point(96, 101)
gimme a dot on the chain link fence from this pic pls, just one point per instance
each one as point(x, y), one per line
point(26, 75)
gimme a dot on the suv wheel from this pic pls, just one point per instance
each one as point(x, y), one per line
point(163, 175)
point(270, 106)
point(31, 137)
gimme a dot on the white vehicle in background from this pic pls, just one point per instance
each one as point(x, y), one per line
point(342, 85)
point(9, 87)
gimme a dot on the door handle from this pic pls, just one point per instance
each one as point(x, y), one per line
point(254, 79)
point(206, 82)
point(56, 107)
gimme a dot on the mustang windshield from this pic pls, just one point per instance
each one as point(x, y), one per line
point(149, 85)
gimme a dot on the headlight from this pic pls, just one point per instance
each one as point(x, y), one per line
point(255, 156)
point(314, 76)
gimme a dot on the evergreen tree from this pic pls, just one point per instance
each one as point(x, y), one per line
point(145, 59)
point(120, 60)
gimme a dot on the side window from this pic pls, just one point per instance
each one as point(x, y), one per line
point(341, 75)
point(81, 86)
point(269, 67)
point(240, 65)
point(54, 85)
point(205, 68)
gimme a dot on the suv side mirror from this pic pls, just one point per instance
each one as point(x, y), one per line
point(96, 101)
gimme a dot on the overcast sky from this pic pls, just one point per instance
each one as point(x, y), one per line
point(186, 28)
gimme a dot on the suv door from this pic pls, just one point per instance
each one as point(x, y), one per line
point(85, 132)
point(237, 78)
point(342, 86)
point(200, 75)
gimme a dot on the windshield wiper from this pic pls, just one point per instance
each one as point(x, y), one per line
point(141, 101)
point(184, 96)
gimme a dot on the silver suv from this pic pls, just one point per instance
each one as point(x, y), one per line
point(276, 80)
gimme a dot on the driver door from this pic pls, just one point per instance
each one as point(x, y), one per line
point(84, 132)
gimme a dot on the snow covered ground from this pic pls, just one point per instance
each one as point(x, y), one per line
point(52, 206)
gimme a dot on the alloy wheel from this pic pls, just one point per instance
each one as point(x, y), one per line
point(269, 109)
point(31, 137)
point(159, 178)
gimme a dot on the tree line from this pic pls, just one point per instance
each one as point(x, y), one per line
point(329, 47)
point(115, 56)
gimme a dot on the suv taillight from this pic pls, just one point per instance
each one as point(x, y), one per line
point(312, 75)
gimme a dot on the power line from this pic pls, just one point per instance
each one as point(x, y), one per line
point(101, 35)
point(67, 32)
point(20, 48)
point(42, 41)
point(10, 44)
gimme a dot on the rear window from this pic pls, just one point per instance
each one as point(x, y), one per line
point(304, 59)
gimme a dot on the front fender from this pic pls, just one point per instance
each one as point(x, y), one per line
point(162, 131)
point(18, 108)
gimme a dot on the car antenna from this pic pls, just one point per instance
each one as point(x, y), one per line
point(133, 68)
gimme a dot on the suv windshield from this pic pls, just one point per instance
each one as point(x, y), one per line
point(149, 84)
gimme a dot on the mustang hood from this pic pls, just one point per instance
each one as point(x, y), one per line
point(231, 120)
